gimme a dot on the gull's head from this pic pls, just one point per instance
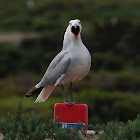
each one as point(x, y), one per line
point(75, 27)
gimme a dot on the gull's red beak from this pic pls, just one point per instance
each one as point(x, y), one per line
point(75, 30)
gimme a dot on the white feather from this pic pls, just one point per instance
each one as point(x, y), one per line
point(44, 94)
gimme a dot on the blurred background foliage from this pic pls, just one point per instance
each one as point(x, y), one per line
point(31, 34)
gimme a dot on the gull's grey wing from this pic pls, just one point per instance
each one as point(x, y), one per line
point(57, 67)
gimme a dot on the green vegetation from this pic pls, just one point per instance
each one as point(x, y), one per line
point(111, 31)
point(32, 126)
point(121, 131)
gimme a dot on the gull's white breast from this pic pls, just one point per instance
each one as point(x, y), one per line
point(80, 64)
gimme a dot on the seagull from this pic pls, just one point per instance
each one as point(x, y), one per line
point(70, 65)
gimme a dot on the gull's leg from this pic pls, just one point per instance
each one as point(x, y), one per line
point(72, 101)
point(70, 87)
point(62, 87)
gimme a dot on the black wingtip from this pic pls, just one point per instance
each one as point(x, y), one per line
point(32, 91)
point(28, 95)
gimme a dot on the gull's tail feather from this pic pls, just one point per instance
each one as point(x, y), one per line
point(45, 93)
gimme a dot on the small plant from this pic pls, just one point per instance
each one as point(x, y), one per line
point(115, 130)
point(122, 131)
point(31, 126)
point(66, 134)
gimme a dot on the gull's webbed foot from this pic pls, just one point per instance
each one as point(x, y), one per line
point(70, 103)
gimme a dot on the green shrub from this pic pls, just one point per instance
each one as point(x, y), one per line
point(122, 131)
point(32, 126)
point(66, 134)
point(29, 126)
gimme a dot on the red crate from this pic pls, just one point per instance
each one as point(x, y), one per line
point(71, 115)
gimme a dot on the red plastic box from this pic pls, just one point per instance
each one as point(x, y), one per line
point(71, 115)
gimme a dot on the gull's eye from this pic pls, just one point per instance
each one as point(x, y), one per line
point(79, 22)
